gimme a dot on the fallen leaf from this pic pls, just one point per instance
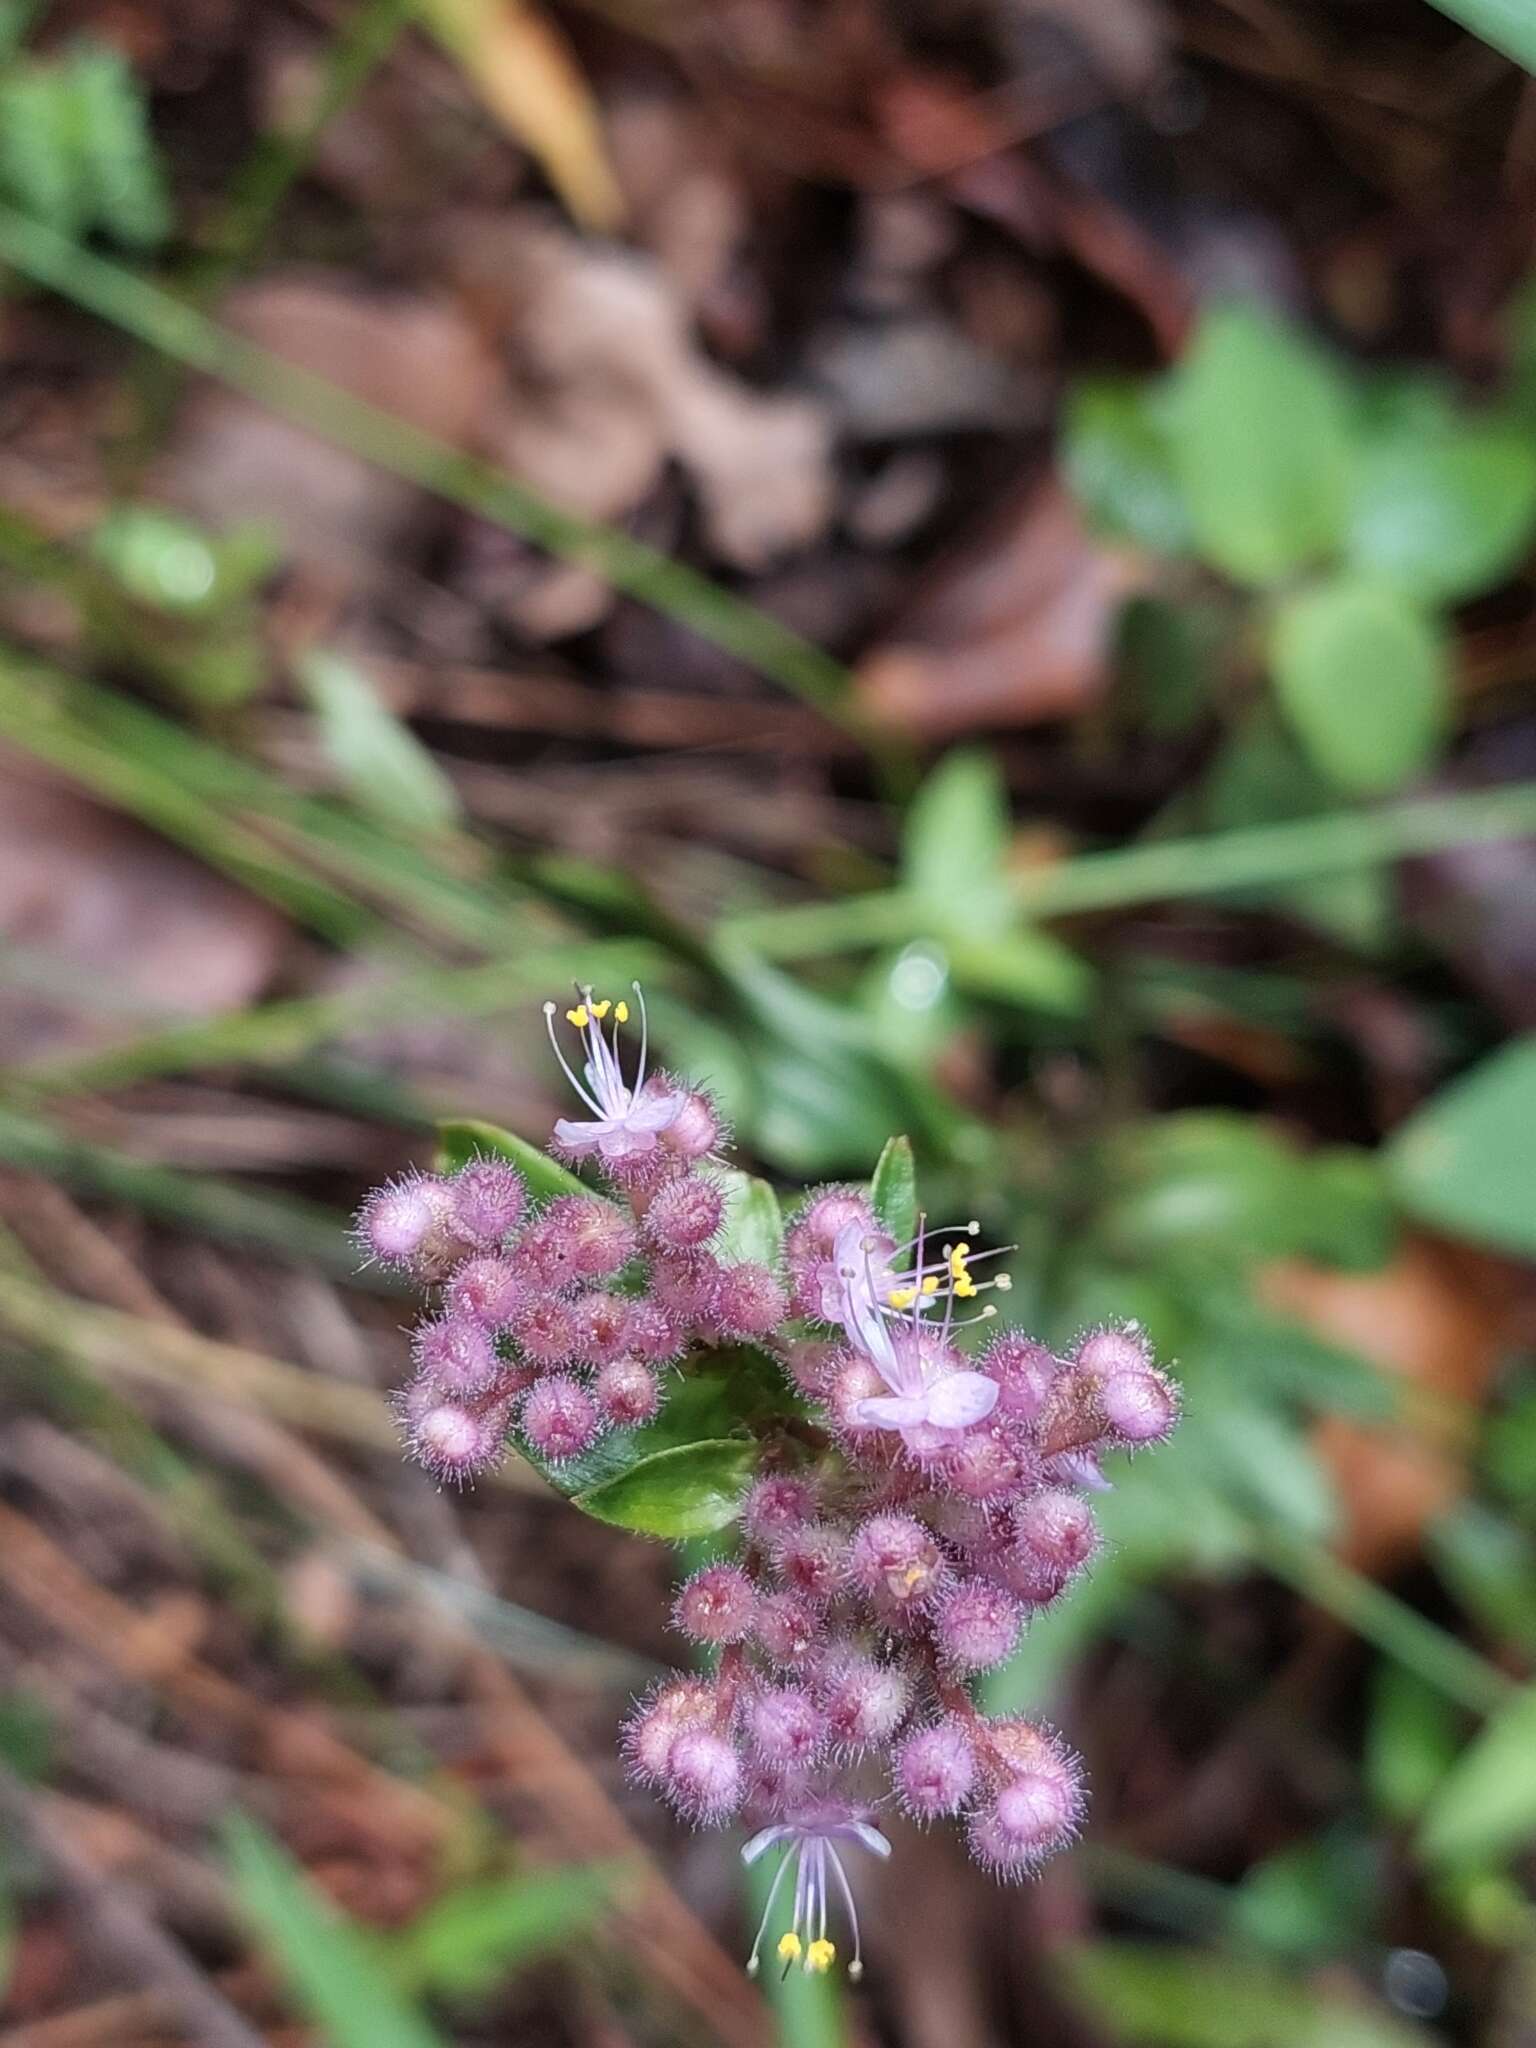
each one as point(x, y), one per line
point(1015, 630)
point(1437, 1319)
point(98, 909)
point(524, 70)
point(232, 460)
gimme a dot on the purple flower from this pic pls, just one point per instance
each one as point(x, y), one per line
point(813, 1834)
point(627, 1117)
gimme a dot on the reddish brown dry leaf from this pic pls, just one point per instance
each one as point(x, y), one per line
point(409, 355)
point(103, 908)
point(1014, 631)
point(1436, 1318)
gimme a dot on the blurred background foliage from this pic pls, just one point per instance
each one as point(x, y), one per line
point(985, 552)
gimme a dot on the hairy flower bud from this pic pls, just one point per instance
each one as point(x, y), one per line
point(627, 1392)
point(544, 1330)
point(864, 1701)
point(560, 1418)
point(397, 1220)
point(776, 1506)
point(717, 1605)
point(1116, 1348)
point(684, 1289)
point(895, 1560)
point(578, 1239)
point(1140, 1407)
point(458, 1354)
point(684, 1213)
point(977, 1626)
point(749, 1301)
point(703, 1777)
point(601, 1322)
point(812, 1559)
point(489, 1197)
point(696, 1130)
point(654, 1723)
point(488, 1288)
point(1054, 1535)
point(986, 1465)
point(935, 1771)
point(454, 1438)
point(788, 1629)
point(785, 1727)
point(1038, 1803)
point(649, 1334)
point(1025, 1372)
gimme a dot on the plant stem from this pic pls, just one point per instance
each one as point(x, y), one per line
point(1259, 857)
point(1439, 1659)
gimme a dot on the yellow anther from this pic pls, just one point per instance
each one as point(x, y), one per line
point(621, 1013)
point(931, 1284)
point(913, 1575)
point(820, 1957)
point(789, 1948)
point(902, 1297)
point(600, 1010)
point(965, 1287)
point(957, 1259)
point(578, 1016)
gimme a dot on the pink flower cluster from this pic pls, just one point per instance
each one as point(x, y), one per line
point(880, 1576)
point(559, 1320)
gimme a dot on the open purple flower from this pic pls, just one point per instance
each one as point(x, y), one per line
point(883, 1313)
point(627, 1117)
point(813, 1835)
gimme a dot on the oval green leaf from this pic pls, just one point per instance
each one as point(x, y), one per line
point(1445, 517)
point(1259, 426)
point(1467, 1161)
point(1362, 677)
point(690, 1491)
point(893, 1190)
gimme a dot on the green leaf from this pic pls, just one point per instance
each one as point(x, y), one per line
point(1507, 25)
point(1259, 424)
point(1411, 1736)
point(1363, 678)
point(1117, 460)
point(387, 771)
point(1466, 1161)
point(1027, 967)
point(690, 1491)
point(1486, 1807)
point(1489, 1563)
point(1263, 1461)
point(480, 1935)
point(1195, 1998)
point(725, 1396)
point(893, 1190)
point(461, 1139)
point(1444, 517)
point(955, 843)
point(1314, 1899)
point(753, 1227)
point(336, 1974)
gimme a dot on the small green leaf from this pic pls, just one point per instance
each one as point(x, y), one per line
point(335, 1972)
point(1314, 1899)
point(1117, 460)
point(956, 840)
point(1259, 424)
point(386, 769)
point(690, 1491)
point(1445, 517)
point(461, 1139)
point(893, 1190)
point(1466, 1162)
point(1173, 1997)
point(1363, 678)
point(1486, 1808)
point(1410, 1739)
point(753, 1227)
point(480, 1935)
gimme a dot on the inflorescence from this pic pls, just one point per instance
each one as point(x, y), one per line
point(892, 1550)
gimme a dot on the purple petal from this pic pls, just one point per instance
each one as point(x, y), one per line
point(869, 1838)
point(891, 1411)
point(1078, 1468)
point(764, 1839)
point(580, 1136)
point(961, 1398)
point(653, 1113)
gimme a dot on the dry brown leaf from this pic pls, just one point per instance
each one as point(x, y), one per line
point(1014, 631)
point(97, 904)
point(524, 71)
point(1435, 1318)
point(409, 355)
